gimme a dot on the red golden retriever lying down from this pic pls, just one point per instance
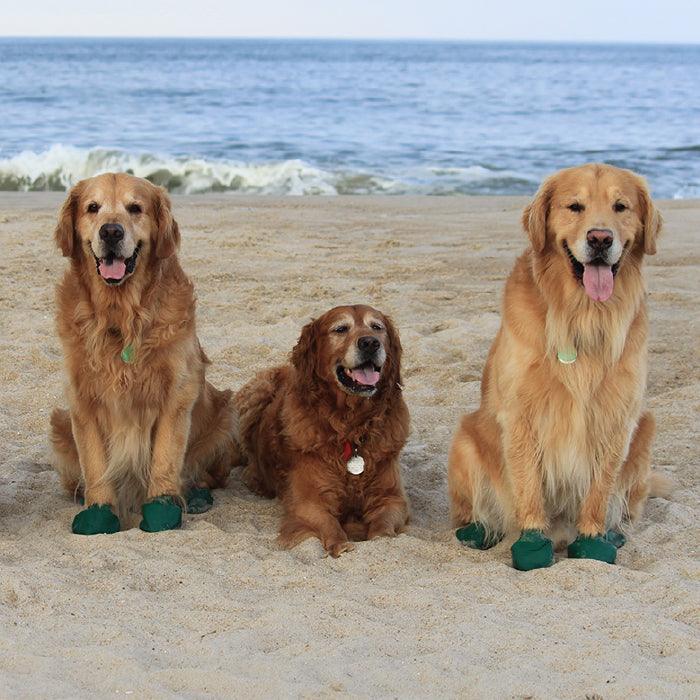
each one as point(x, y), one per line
point(143, 424)
point(560, 436)
point(325, 432)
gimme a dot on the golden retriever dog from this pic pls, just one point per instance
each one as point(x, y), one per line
point(143, 424)
point(560, 438)
point(324, 433)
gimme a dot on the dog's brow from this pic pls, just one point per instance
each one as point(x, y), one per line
point(343, 320)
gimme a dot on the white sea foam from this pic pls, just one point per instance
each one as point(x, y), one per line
point(60, 166)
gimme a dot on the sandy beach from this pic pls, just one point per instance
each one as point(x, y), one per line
point(215, 609)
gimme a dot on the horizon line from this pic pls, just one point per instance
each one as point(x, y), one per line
point(628, 42)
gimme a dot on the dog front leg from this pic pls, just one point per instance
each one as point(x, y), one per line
point(592, 541)
point(163, 509)
point(311, 511)
point(386, 506)
point(100, 497)
point(533, 550)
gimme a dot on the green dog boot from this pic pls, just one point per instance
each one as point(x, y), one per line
point(199, 500)
point(597, 547)
point(96, 520)
point(161, 513)
point(474, 535)
point(532, 551)
point(616, 538)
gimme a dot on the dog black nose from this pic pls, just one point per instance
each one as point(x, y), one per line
point(599, 238)
point(368, 344)
point(111, 233)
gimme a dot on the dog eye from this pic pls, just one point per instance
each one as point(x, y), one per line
point(619, 206)
point(134, 208)
point(376, 327)
point(93, 207)
point(341, 329)
point(576, 207)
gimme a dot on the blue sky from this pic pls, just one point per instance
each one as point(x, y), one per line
point(675, 21)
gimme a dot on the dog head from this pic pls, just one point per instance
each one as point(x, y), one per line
point(116, 220)
point(353, 349)
point(592, 217)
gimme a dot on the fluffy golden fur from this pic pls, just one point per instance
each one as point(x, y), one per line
point(565, 444)
point(141, 429)
point(295, 421)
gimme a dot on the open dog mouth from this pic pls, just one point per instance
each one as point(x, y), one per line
point(362, 379)
point(596, 276)
point(113, 269)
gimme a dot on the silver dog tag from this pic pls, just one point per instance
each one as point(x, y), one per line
point(356, 465)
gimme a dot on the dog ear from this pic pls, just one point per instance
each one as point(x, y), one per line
point(534, 217)
point(65, 234)
point(394, 356)
point(305, 352)
point(650, 216)
point(167, 237)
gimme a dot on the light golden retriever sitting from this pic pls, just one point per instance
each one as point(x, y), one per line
point(143, 423)
point(560, 436)
point(324, 433)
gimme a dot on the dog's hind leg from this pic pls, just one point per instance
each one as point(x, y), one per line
point(65, 453)
point(478, 501)
point(636, 479)
point(213, 447)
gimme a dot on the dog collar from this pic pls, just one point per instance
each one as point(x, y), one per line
point(567, 356)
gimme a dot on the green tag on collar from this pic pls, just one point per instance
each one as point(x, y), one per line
point(127, 354)
point(567, 356)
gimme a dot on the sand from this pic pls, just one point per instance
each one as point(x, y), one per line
point(215, 609)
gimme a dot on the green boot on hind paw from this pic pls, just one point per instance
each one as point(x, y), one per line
point(199, 500)
point(597, 547)
point(475, 536)
point(532, 551)
point(616, 538)
point(161, 513)
point(96, 520)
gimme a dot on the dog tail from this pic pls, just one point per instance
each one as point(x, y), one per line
point(660, 485)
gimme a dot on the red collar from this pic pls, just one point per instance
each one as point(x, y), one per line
point(347, 450)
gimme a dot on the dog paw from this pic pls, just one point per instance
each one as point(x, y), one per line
point(199, 500)
point(161, 513)
point(335, 549)
point(475, 536)
point(596, 547)
point(96, 520)
point(384, 531)
point(532, 551)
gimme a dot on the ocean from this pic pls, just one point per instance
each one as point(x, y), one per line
point(345, 117)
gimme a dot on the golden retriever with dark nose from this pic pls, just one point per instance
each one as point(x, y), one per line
point(143, 424)
point(325, 432)
point(560, 436)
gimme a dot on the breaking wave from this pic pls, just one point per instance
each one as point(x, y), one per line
point(59, 167)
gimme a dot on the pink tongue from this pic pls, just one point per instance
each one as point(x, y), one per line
point(114, 270)
point(598, 281)
point(366, 376)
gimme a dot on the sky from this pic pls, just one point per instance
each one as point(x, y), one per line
point(670, 21)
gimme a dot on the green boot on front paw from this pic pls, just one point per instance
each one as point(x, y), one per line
point(596, 547)
point(199, 500)
point(532, 551)
point(96, 520)
point(475, 536)
point(161, 513)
